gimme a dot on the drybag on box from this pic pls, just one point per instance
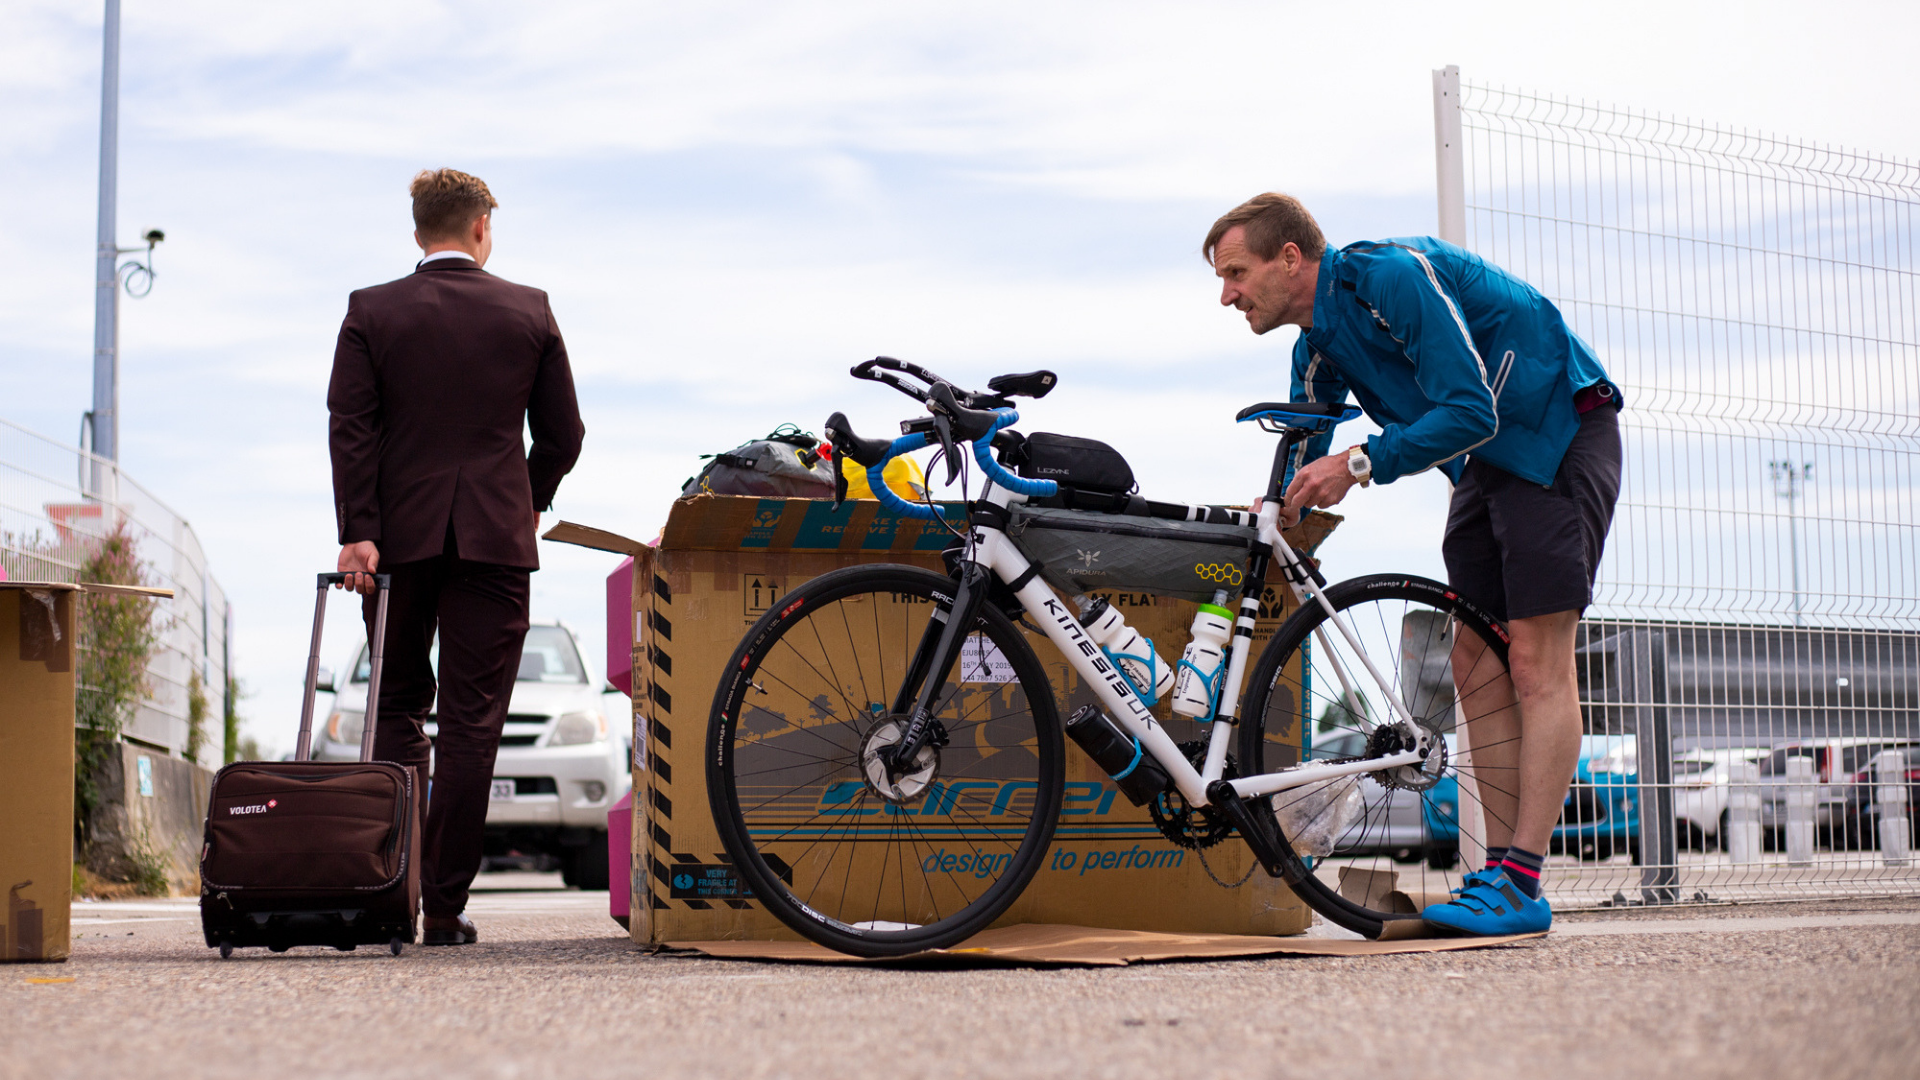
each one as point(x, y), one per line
point(1081, 464)
point(1082, 551)
point(785, 463)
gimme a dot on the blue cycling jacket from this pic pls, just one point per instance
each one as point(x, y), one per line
point(1449, 354)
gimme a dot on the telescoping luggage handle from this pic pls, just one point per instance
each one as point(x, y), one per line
point(303, 750)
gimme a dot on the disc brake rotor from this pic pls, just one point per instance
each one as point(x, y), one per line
point(907, 786)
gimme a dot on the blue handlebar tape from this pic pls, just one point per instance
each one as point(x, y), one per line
point(876, 481)
point(996, 472)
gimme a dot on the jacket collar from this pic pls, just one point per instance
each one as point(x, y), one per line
point(456, 265)
point(1322, 330)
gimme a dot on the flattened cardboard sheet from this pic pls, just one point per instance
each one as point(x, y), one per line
point(1030, 945)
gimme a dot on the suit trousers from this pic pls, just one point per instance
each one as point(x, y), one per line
point(480, 613)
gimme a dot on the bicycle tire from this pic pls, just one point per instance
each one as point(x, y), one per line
point(818, 842)
point(1418, 617)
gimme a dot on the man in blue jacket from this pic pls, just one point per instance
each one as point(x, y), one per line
point(1470, 371)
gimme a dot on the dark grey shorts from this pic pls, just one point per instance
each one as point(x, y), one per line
point(1519, 549)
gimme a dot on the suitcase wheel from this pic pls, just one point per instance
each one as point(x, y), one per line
point(348, 947)
point(277, 948)
point(226, 948)
point(396, 945)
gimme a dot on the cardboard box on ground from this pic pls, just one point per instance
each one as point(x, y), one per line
point(723, 561)
point(37, 671)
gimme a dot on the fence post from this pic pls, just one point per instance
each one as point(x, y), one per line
point(1890, 799)
point(1742, 839)
point(1449, 155)
point(1660, 872)
point(1800, 794)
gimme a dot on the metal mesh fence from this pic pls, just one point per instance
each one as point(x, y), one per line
point(1757, 620)
point(56, 503)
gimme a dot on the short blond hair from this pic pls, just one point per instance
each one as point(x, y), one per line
point(1273, 221)
point(445, 202)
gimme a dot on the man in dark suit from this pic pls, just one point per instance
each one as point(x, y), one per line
point(433, 376)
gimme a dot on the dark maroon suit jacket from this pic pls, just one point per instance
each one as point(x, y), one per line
point(433, 377)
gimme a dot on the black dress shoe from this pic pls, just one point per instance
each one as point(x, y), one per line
point(456, 930)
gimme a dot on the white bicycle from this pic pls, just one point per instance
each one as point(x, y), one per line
point(884, 758)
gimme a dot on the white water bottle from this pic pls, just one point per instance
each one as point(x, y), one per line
point(1206, 656)
point(1150, 675)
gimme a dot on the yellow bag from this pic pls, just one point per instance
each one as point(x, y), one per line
point(903, 477)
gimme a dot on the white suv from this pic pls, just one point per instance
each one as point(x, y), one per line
point(563, 753)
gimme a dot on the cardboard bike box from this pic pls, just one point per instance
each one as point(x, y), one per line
point(38, 668)
point(720, 563)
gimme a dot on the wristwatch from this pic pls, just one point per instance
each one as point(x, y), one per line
point(1360, 465)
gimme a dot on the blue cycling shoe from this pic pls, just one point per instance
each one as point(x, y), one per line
point(1488, 905)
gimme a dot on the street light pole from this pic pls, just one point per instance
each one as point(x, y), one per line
point(1788, 479)
point(102, 426)
point(104, 421)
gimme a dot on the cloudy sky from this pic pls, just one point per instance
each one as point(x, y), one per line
point(731, 203)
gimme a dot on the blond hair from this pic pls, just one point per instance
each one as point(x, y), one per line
point(446, 201)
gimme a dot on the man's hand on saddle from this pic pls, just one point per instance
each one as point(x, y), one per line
point(1322, 482)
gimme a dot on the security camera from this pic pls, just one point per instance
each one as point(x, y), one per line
point(154, 236)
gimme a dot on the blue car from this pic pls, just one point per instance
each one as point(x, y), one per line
point(1601, 814)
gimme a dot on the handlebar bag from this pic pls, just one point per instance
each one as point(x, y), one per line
point(1080, 551)
point(1082, 464)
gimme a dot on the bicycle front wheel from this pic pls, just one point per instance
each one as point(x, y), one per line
point(1434, 649)
point(855, 857)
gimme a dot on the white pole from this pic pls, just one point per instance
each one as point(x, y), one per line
point(1800, 798)
point(1890, 799)
point(1742, 842)
point(106, 284)
point(1449, 155)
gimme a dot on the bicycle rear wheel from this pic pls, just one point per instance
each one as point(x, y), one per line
point(1433, 647)
point(834, 846)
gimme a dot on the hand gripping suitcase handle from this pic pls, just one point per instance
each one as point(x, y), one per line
point(383, 584)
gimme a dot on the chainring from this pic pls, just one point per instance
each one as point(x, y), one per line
point(1182, 823)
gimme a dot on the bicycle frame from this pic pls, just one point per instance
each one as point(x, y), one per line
point(995, 552)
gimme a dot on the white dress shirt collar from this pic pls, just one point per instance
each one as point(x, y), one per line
point(448, 254)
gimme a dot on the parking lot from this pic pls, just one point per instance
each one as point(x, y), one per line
point(555, 989)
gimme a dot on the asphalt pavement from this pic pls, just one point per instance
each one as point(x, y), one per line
point(555, 989)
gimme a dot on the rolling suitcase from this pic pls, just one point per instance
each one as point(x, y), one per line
point(315, 853)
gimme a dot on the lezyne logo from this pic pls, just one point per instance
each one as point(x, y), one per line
point(1225, 573)
point(254, 808)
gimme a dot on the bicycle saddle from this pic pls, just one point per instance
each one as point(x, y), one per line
point(1309, 416)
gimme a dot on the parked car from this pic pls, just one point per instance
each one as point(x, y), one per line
point(1600, 815)
point(1858, 825)
point(1700, 779)
point(562, 761)
point(1834, 762)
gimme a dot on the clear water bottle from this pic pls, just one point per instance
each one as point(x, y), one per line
point(1150, 675)
point(1205, 659)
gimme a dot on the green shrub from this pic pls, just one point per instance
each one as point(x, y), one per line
point(117, 635)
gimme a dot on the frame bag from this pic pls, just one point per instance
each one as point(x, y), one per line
point(1081, 551)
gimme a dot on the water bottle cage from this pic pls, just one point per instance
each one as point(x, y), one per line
point(1150, 661)
point(1206, 680)
point(1139, 753)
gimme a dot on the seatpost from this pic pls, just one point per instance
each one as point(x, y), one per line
point(1282, 466)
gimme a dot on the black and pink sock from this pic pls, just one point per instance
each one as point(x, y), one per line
point(1494, 855)
point(1523, 869)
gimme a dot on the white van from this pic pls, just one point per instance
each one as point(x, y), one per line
point(563, 758)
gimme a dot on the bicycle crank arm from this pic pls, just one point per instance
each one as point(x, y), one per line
point(1257, 829)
